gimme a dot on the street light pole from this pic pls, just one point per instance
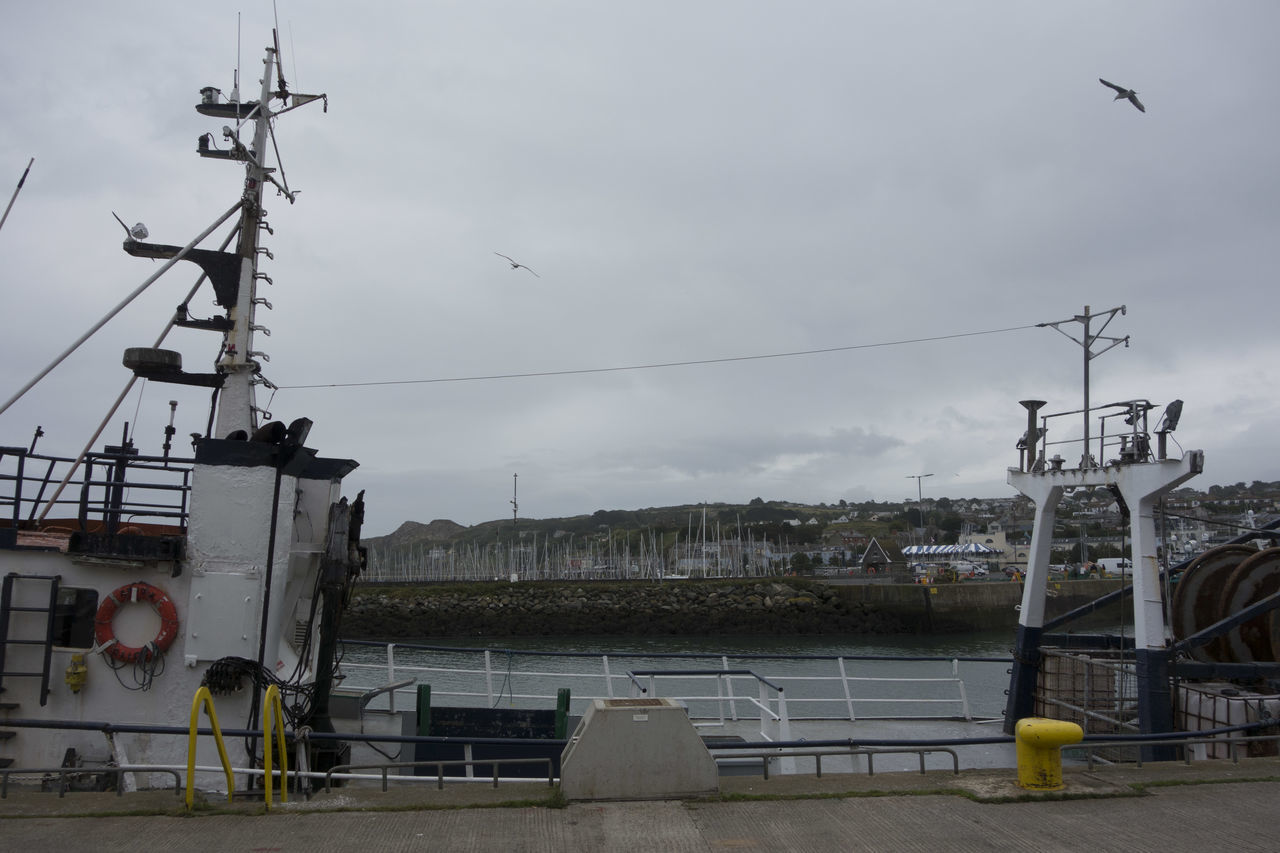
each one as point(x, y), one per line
point(919, 500)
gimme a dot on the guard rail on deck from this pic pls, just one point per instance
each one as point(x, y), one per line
point(852, 752)
point(114, 488)
point(342, 770)
point(833, 694)
point(64, 772)
point(775, 723)
point(1211, 743)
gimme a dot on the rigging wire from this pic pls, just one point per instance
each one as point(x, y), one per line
point(658, 365)
point(142, 386)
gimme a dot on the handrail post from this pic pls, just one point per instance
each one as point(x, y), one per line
point(764, 707)
point(733, 702)
point(784, 721)
point(273, 717)
point(488, 677)
point(844, 682)
point(391, 670)
point(204, 698)
point(964, 694)
point(608, 679)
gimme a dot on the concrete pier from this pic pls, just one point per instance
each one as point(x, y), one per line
point(1158, 807)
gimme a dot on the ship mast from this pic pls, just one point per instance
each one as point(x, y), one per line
point(237, 409)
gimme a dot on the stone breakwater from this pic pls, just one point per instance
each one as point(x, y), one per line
point(631, 608)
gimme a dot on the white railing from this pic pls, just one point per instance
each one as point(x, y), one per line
point(769, 704)
point(829, 689)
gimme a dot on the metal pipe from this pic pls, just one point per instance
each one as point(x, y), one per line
point(17, 190)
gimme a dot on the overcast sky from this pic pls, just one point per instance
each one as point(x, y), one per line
point(691, 182)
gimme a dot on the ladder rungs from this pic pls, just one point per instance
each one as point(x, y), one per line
point(21, 674)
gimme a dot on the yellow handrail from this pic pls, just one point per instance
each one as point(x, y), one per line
point(273, 712)
point(203, 696)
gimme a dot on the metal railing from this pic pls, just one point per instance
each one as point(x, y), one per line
point(1232, 743)
point(770, 703)
point(1098, 693)
point(64, 772)
point(851, 752)
point(836, 688)
point(342, 770)
point(1128, 442)
point(114, 489)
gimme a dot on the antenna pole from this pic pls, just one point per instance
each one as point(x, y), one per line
point(1086, 343)
point(515, 507)
point(236, 405)
point(17, 190)
point(235, 81)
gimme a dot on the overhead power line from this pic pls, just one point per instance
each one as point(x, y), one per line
point(656, 365)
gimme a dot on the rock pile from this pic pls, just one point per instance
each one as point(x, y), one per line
point(632, 608)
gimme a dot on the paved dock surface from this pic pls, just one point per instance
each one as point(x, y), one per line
point(1160, 807)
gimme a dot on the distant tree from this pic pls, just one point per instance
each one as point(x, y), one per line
point(756, 502)
point(844, 504)
point(951, 523)
point(800, 562)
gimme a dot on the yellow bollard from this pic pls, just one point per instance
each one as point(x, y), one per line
point(1039, 756)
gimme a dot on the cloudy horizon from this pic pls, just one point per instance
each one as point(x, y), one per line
point(893, 193)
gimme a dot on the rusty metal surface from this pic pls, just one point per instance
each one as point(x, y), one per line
point(1197, 597)
point(1253, 580)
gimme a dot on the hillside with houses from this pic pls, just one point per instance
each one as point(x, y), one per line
point(765, 538)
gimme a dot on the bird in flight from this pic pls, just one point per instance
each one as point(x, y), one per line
point(1124, 93)
point(517, 266)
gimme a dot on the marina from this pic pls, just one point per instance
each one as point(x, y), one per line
point(145, 596)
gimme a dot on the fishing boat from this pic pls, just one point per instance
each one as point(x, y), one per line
point(143, 591)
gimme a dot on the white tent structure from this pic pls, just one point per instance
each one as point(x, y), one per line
point(969, 549)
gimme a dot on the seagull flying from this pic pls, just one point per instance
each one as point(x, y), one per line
point(516, 266)
point(1124, 93)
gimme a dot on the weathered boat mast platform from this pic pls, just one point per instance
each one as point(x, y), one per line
point(1123, 459)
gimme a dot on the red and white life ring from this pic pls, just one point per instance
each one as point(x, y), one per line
point(105, 637)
